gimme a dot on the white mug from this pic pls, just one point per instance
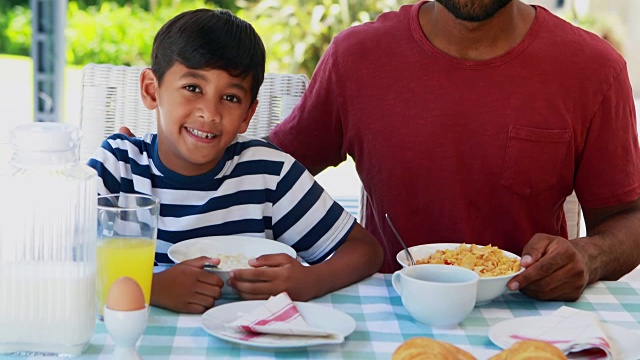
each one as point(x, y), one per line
point(437, 295)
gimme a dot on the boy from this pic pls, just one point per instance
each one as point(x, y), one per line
point(207, 67)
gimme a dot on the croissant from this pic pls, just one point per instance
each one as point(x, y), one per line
point(530, 350)
point(424, 348)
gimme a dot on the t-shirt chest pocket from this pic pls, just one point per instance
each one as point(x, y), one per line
point(533, 158)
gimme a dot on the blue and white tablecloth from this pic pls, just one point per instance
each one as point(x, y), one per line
point(382, 325)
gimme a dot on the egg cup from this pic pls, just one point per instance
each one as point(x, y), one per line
point(125, 328)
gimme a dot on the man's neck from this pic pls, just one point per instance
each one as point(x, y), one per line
point(476, 40)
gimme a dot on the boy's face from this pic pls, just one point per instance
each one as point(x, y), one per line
point(200, 112)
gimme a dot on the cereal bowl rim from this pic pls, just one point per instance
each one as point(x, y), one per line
point(440, 246)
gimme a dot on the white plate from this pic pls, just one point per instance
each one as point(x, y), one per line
point(250, 247)
point(320, 316)
point(625, 342)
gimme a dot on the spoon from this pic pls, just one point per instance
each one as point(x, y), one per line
point(406, 251)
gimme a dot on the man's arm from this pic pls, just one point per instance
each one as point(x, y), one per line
point(560, 269)
point(125, 130)
point(313, 133)
point(612, 246)
point(359, 256)
point(313, 170)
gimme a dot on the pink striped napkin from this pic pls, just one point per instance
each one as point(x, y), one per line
point(278, 315)
point(572, 331)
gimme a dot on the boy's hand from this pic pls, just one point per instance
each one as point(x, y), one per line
point(186, 287)
point(271, 275)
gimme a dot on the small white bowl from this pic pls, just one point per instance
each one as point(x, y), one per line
point(440, 296)
point(214, 246)
point(489, 288)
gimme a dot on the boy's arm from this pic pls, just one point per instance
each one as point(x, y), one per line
point(305, 216)
point(359, 257)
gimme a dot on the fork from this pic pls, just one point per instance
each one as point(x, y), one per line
point(413, 262)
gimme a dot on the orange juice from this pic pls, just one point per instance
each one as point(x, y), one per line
point(119, 257)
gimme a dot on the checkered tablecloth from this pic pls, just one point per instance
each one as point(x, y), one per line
point(382, 325)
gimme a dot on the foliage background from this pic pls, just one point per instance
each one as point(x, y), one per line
point(295, 32)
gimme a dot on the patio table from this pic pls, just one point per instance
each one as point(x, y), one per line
point(382, 325)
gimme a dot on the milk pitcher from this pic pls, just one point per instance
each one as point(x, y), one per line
point(48, 235)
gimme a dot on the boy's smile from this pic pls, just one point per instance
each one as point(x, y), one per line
point(200, 134)
point(200, 112)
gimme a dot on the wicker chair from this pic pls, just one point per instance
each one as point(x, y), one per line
point(111, 98)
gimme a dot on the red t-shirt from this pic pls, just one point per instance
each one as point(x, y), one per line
point(480, 152)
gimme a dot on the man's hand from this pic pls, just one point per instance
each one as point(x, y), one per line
point(125, 130)
point(187, 287)
point(271, 275)
point(556, 269)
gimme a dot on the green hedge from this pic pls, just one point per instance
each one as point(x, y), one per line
point(116, 35)
point(107, 33)
point(15, 30)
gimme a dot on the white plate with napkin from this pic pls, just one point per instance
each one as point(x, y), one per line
point(278, 323)
point(572, 331)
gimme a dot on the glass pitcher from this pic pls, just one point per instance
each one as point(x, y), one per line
point(47, 243)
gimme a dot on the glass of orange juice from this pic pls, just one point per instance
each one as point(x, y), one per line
point(127, 230)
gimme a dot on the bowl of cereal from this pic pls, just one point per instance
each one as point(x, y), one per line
point(233, 251)
point(495, 267)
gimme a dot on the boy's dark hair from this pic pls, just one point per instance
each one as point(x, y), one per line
point(210, 39)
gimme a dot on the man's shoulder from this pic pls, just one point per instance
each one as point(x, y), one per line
point(585, 47)
point(385, 24)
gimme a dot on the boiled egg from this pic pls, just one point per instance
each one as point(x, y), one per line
point(125, 294)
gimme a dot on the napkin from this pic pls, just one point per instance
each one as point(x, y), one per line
point(278, 315)
point(570, 330)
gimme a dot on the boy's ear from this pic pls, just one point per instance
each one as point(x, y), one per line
point(148, 89)
point(247, 119)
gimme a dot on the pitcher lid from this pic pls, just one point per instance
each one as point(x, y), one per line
point(44, 137)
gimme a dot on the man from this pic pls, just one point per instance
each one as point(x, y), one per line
point(472, 121)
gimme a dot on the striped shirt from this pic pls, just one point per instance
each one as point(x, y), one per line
point(254, 190)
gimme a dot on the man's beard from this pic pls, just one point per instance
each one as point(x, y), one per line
point(473, 10)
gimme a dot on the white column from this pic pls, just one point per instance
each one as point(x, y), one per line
point(48, 54)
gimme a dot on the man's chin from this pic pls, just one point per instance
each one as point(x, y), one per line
point(473, 10)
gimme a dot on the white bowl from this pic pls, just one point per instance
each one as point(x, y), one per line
point(214, 246)
point(489, 288)
point(440, 296)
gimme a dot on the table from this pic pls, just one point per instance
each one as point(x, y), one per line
point(382, 325)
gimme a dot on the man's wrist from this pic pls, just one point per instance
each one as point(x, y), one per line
point(590, 248)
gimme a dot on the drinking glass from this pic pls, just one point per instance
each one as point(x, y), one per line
point(127, 230)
